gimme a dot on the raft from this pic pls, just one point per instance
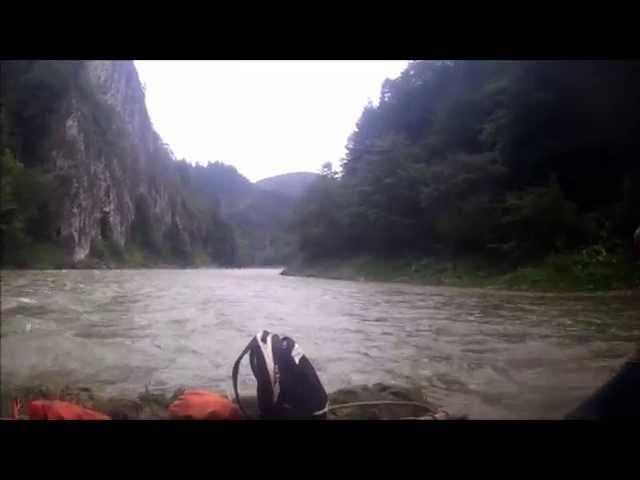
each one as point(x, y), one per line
point(360, 402)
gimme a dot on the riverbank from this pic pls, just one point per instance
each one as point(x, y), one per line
point(154, 406)
point(584, 271)
point(51, 257)
point(101, 256)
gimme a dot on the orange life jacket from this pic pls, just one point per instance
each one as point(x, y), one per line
point(59, 410)
point(204, 405)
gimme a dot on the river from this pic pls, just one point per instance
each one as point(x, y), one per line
point(489, 354)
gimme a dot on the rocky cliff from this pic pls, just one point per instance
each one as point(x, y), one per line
point(102, 201)
point(95, 137)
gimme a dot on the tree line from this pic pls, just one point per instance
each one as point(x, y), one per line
point(508, 160)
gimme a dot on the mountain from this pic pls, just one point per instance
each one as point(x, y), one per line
point(83, 128)
point(259, 219)
point(261, 224)
point(85, 176)
point(292, 184)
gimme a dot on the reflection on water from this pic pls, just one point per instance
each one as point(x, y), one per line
point(491, 354)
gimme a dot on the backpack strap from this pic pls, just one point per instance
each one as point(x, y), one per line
point(270, 347)
point(234, 373)
point(323, 412)
point(263, 350)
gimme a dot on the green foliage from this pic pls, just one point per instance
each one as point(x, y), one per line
point(33, 93)
point(200, 259)
point(177, 243)
point(45, 256)
point(459, 197)
point(318, 220)
point(541, 219)
point(592, 268)
point(99, 250)
point(108, 252)
point(27, 214)
point(455, 160)
point(11, 221)
point(144, 231)
point(260, 222)
point(216, 180)
point(328, 171)
point(220, 242)
point(570, 271)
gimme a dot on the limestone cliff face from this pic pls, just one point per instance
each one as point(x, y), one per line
point(109, 151)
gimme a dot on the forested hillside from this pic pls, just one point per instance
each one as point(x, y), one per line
point(292, 184)
point(508, 161)
point(257, 219)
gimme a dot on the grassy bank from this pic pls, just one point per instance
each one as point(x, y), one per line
point(587, 270)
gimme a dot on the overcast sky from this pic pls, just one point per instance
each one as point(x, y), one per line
point(263, 117)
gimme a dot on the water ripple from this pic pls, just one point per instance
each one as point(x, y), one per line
point(492, 354)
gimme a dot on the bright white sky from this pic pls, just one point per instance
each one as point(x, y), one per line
point(263, 117)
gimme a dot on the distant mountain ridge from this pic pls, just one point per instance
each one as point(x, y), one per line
point(292, 184)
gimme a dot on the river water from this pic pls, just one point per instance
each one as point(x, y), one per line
point(489, 354)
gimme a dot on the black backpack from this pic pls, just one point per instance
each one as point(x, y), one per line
point(288, 385)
